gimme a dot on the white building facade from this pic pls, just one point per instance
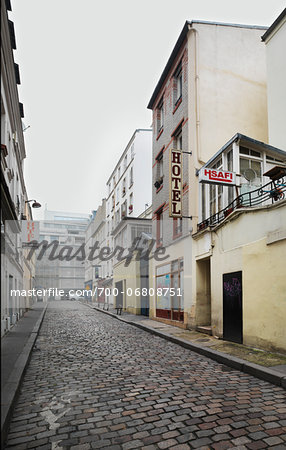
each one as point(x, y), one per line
point(13, 191)
point(64, 231)
point(129, 186)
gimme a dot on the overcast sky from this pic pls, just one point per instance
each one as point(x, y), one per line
point(88, 70)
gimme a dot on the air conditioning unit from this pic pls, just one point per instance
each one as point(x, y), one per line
point(8, 323)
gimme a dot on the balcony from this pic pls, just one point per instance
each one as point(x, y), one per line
point(270, 193)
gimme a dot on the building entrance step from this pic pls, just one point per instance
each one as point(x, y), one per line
point(206, 329)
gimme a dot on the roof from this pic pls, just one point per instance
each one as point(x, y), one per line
point(274, 25)
point(188, 24)
point(247, 139)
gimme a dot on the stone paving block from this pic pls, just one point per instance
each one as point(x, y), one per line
point(167, 443)
point(97, 377)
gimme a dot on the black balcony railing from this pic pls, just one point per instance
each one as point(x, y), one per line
point(267, 194)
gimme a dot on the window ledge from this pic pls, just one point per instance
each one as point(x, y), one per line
point(159, 134)
point(177, 104)
point(159, 189)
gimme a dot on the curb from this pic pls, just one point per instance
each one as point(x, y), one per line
point(12, 387)
point(270, 375)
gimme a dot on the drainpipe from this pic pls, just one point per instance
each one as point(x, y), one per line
point(197, 104)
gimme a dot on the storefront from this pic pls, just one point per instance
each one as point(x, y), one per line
point(170, 290)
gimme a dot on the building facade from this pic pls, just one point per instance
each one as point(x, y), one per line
point(274, 39)
point(131, 274)
point(201, 99)
point(62, 234)
point(240, 245)
point(14, 270)
point(129, 187)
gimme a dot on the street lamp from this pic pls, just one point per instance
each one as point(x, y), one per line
point(35, 204)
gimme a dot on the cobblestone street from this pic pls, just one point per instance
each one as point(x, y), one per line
point(95, 382)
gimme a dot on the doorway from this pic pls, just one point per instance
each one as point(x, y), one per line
point(232, 307)
point(203, 293)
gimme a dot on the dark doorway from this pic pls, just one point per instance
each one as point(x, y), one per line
point(144, 279)
point(119, 296)
point(232, 307)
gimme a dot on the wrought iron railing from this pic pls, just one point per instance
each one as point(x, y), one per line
point(267, 194)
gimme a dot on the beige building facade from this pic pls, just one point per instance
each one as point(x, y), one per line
point(214, 84)
point(275, 43)
point(239, 249)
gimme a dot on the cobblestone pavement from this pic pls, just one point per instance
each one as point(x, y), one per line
point(95, 382)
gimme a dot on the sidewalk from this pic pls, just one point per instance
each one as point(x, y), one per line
point(16, 347)
point(268, 366)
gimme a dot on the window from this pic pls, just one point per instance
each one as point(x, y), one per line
point(130, 203)
point(117, 195)
point(178, 140)
point(131, 176)
point(178, 85)
point(118, 172)
point(160, 116)
point(159, 169)
point(247, 151)
point(177, 227)
point(124, 187)
point(125, 162)
point(124, 209)
point(132, 151)
point(159, 229)
point(230, 189)
point(170, 276)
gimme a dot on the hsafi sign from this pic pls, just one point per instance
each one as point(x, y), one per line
point(214, 176)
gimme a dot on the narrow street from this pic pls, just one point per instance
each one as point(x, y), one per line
point(95, 382)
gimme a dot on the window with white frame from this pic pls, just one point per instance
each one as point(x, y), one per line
point(124, 187)
point(131, 176)
point(130, 204)
point(250, 167)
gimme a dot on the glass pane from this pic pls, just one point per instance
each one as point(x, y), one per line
point(256, 165)
point(163, 301)
point(163, 269)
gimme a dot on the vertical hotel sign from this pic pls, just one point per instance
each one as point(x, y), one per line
point(175, 184)
point(30, 232)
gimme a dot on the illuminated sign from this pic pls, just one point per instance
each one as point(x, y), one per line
point(176, 181)
point(213, 176)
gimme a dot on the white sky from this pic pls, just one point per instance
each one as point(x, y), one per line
point(88, 70)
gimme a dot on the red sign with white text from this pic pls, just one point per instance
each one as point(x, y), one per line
point(217, 176)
